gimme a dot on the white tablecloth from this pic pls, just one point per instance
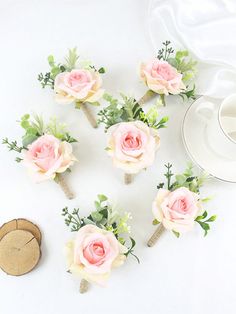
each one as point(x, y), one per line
point(191, 274)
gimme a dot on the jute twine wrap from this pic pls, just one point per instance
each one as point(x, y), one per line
point(65, 188)
point(89, 115)
point(156, 235)
point(146, 97)
point(84, 285)
point(128, 178)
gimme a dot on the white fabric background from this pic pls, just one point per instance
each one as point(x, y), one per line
point(187, 275)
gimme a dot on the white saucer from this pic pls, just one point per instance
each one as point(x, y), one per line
point(195, 142)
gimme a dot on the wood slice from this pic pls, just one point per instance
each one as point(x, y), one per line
point(21, 224)
point(24, 224)
point(19, 252)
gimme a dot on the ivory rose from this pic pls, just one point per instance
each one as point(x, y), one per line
point(176, 210)
point(78, 85)
point(161, 77)
point(132, 145)
point(93, 254)
point(47, 156)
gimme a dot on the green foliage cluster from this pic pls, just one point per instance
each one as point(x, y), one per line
point(36, 127)
point(105, 216)
point(192, 182)
point(70, 63)
point(128, 110)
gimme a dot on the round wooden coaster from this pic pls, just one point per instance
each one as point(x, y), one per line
point(21, 224)
point(19, 252)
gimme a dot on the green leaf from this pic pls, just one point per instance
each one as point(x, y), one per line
point(96, 216)
point(203, 216)
point(180, 55)
point(28, 139)
point(180, 179)
point(155, 222)
point(173, 62)
point(88, 221)
point(177, 234)
point(71, 59)
point(102, 198)
point(51, 60)
point(204, 225)
point(206, 199)
point(211, 219)
point(133, 243)
point(102, 70)
point(97, 205)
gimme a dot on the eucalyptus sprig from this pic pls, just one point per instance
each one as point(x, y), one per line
point(104, 216)
point(127, 110)
point(13, 145)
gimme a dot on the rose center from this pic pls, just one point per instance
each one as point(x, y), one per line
point(164, 71)
point(95, 252)
point(180, 206)
point(44, 151)
point(77, 78)
point(132, 142)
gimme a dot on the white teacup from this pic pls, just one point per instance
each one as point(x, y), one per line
point(220, 126)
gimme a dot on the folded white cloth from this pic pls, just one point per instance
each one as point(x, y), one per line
point(207, 28)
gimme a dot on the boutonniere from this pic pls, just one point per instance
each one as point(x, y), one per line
point(178, 206)
point(74, 81)
point(45, 150)
point(99, 244)
point(133, 137)
point(169, 73)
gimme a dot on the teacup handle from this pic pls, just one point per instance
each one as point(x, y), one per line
point(206, 110)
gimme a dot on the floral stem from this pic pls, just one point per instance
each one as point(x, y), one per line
point(89, 115)
point(65, 188)
point(162, 96)
point(146, 97)
point(128, 178)
point(84, 285)
point(156, 235)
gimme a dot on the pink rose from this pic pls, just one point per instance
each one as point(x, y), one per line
point(161, 77)
point(132, 145)
point(78, 85)
point(93, 254)
point(176, 210)
point(47, 156)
